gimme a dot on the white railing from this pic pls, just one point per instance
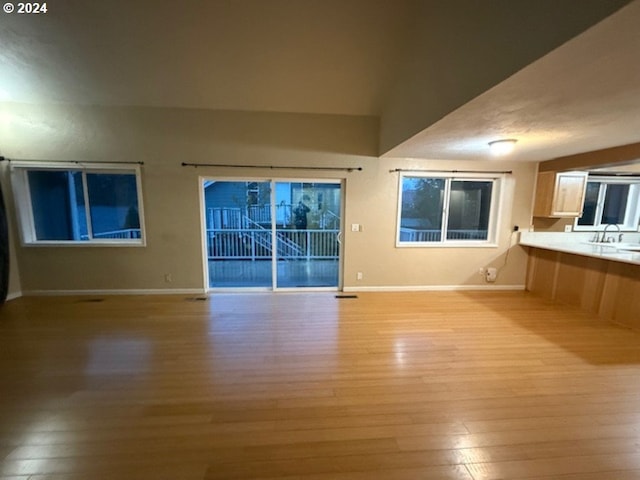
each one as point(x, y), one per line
point(412, 235)
point(260, 213)
point(233, 217)
point(328, 219)
point(127, 233)
point(286, 247)
point(256, 243)
point(224, 218)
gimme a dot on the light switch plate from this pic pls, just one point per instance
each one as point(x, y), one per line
point(355, 227)
point(567, 228)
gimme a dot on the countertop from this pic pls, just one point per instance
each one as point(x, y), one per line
point(578, 244)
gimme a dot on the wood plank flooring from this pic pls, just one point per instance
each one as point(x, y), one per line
point(437, 385)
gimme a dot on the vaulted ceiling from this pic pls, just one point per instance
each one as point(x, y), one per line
point(565, 84)
point(304, 56)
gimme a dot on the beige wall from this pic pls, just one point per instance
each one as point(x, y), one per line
point(374, 205)
point(163, 138)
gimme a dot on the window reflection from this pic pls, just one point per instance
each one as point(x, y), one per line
point(118, 356)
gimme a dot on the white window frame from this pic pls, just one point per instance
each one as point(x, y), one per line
point(24, 206)
point(494, 210)
point(632, 214)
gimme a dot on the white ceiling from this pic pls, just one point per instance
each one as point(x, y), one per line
point(316, 56)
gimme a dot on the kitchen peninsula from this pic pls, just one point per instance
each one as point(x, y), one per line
point(599, 278)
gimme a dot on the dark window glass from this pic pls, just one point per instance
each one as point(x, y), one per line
point(421, 212)
point(58, 205)
point(114, 205)
point(615, 204)
point(590, 204)
point(59, 210)
point(469, 208)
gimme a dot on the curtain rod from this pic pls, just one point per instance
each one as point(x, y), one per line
point(272, 167)
point(450, 171)
point(78, 162)
point(613, 174)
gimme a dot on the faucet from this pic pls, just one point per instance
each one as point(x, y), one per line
point(604, 233)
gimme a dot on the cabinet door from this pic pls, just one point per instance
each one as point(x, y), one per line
point(568, 197)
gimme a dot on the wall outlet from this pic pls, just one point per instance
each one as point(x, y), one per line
point(356, 227)
point(481, 272)
point(492, 274)
point(359, 276)
point(168, 278)
point(567, 228)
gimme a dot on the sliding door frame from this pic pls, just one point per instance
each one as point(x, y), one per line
point(274, 257)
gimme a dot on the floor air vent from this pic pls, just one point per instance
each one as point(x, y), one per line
point(346, 296)
point(196, 299)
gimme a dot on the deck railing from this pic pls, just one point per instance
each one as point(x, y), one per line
point(127, 233)
point(231, 217)
point(256, 243)
point(413, 235)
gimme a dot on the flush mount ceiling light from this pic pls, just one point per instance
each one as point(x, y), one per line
point(502, 147)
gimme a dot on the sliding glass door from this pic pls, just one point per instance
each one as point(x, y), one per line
point(238, 233)
point(272, 235)
point(308, 234)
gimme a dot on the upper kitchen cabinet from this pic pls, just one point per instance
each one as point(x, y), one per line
point(560, 194)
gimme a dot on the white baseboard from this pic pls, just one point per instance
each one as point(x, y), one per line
point(433, 288)
point(199, 291)
point(14, 295)
point(146, 291)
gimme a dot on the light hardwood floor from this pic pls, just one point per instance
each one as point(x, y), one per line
point(445, 385)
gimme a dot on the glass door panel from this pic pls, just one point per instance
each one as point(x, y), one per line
point(307, 234)
point(239, 233)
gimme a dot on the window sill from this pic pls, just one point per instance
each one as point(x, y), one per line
point(447, 245)
point(84, 244)
point(626, 229)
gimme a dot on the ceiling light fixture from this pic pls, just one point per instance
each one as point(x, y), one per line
point(502, 147)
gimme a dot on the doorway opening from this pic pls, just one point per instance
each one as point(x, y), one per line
point(269, 234)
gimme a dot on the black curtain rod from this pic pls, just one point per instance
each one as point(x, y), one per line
point(450, 171)
point(613, 174)
point(78, 162)
point(271, 167)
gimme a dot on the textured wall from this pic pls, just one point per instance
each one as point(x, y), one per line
point(163, 138)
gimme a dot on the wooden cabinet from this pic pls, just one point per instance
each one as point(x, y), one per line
point(560, 194)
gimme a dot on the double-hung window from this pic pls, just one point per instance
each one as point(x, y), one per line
point(447, 210)
point(610, 200)
point(68, 204)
